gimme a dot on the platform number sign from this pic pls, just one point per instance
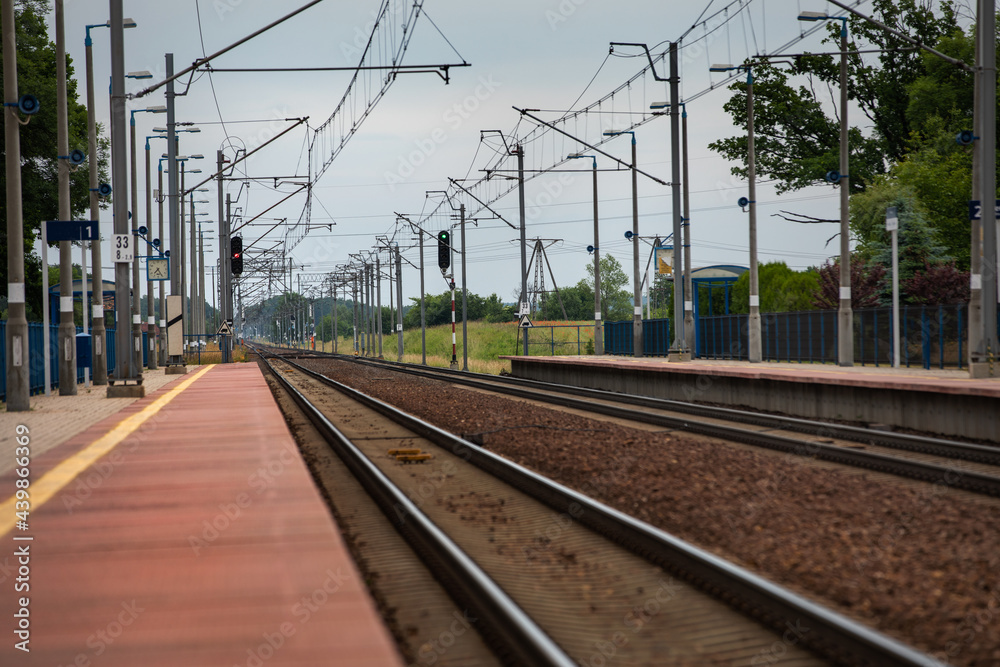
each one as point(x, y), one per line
point(122, 248)
point(976, 209)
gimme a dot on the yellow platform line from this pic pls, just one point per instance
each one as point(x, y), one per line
point(67, 470)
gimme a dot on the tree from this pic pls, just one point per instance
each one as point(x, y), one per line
point(781, 289)
point(798, 142)
point(616, 302)
point(917, 244)
point(940, 284)
point(867, 284)
point(36, 72)
point(578, 301)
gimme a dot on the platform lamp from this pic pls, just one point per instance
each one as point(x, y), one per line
point(753, 330)
point(596, 249)
point(637, 342)
point(152, 360)
point(689, 335)
point(845, 316)
point(136, 285)
point(97, 305)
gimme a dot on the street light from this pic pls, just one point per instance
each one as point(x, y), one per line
point(753, 330)
point(193, 256)
point(598, 332)
point(97, 305)
point(689, 335)
point(136, 285)
point(637, 345)
point(845, 316)
point(150, 312)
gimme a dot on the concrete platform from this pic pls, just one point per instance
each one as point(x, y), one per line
point(948, 403)
point(184, 529)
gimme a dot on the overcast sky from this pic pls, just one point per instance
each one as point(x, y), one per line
point(526, 53)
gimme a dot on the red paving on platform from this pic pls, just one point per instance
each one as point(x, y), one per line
point(200, 539)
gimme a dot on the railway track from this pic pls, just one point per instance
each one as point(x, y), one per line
point(965, 466)
point(544, 598)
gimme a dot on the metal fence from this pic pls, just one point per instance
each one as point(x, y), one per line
point(202, 349)
point(558, 339)
point(656, 337)
point(930, 336)
point(36, 362)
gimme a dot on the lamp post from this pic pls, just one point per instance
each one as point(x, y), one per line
point(845, 316)
point(160, 198)
point(97, 305)
point(152, 361)
point(753, 331)
point(637, 343)
point(598, 332)
point(685, 264)
point(136, 285)
point(67, 328)
point(16, 339)
point(175, 362)
point(192, 256)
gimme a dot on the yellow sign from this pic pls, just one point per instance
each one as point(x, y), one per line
point(665, 260)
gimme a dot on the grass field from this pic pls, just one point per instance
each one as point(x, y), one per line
point(487, 342)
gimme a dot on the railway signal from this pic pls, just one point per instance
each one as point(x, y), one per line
point(236, 250)
point(444, 249)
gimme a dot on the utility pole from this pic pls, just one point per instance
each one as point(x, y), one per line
point(519, 151)
point(223, 253)
point(689, 295)
point(753, 335)
point(679, 349)
point(16, 340)
point(465, 300)
point(136, 286)
point(423, 314)
point(67, 328)
point(637, 342)
point(986, 113)
point(194, 273)
point(378, 303)
point(354, 304)
point(399, 305)
point(200, 320)
point(150, 317)
point(226, 279)
point(99, 332)
point(175, 362)
point(845, 316)
point(124, 369)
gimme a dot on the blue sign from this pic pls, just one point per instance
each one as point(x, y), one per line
point(72, 230)
point(976, 209)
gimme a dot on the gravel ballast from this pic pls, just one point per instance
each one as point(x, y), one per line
point(918, 561)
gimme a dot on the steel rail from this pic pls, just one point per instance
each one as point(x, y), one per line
point(831, 633)
point(904, 441)
point(515, 634)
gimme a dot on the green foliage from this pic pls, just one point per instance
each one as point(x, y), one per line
point(797, 142)
point(437, 309)
point(918, 245)
point(578, 301)
point(867, 284)
point(616, 300)
point(36, 71)
point(781, 289)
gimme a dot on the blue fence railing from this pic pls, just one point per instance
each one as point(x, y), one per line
point(930, 336)
point(36, 362)
point(656, 337)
